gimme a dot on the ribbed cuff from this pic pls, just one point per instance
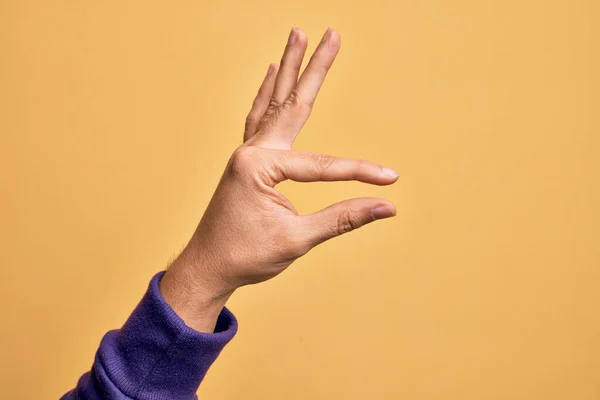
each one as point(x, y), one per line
point(156, 355)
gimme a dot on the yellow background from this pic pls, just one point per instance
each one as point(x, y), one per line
point(117, 118)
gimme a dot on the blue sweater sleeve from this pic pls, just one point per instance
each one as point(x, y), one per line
point(154, 356)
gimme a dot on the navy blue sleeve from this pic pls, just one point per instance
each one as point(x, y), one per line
point(154, 356)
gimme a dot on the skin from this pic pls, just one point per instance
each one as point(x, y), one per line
point(250, 232)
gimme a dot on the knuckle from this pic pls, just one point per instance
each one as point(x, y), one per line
point(273, 111)
point(295, 100)
point(274, 104)
point(360, 168)
point(241, 160)
point(323, 161)
point(323, 69)
point(347, 221)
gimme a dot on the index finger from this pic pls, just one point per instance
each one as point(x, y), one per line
point(301, 166)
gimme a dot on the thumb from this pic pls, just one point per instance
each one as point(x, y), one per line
point(344, 217)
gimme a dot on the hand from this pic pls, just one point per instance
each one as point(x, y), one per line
point(250, 232)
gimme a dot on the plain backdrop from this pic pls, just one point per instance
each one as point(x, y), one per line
point(117, 118)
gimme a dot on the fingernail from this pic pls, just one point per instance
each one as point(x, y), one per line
point(382, 212)
point(326, 35)
point(389, 173)
point(271, 69)
point(293, 36)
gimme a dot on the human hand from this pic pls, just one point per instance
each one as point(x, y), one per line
point(250, 232)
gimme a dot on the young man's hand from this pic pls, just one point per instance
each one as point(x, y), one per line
point(250, 232)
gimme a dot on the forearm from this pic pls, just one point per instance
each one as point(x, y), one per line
point(155, 355)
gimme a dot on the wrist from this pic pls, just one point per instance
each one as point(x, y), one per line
point(193, 295)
